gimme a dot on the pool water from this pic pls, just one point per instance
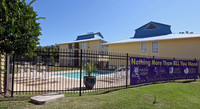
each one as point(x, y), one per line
point(76, 75)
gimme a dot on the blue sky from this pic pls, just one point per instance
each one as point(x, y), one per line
point(115, 19)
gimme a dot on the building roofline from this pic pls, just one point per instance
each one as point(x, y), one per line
point(86, 34)
point(156, 38)
point(90, 33)
point(152, 22)
point(77, 41)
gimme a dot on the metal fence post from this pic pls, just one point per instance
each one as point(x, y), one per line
point(153, 76)
point(127, 70)
point(196, 61)
point(12, 91)
point(6, 82)
point(80, 73)
point(173, 76)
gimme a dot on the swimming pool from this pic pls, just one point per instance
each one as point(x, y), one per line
point(76, 75)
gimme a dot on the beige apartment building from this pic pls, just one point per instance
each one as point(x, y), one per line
point(91, 42)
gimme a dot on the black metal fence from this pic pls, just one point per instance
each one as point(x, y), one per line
point(61, 70)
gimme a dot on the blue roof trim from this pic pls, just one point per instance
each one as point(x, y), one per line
point(153, 23)
point(88, 36)
point(85, 37)
point(161, 29)
point(99, 34)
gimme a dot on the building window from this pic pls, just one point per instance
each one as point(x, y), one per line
point(83, 45)
point(83, 53)
point(151, 26)
point(144, 47)
point(154, 47)
point(70, 46)
point(101, 52)
point(70, 53)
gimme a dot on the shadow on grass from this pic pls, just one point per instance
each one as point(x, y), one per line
point(16, 98)
point(35, 103)
point(99, 91)
point(142, 85)
point(184, 81)
point(96, 91)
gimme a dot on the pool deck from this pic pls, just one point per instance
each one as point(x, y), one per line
point(26, 83)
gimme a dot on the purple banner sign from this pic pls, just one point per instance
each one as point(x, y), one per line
point(147, 70)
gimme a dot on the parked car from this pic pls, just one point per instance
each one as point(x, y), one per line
point(39, 63)
point(24, 63)
point(111, 67)
point(50, 64)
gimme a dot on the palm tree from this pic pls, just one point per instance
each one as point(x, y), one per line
point(89, 68)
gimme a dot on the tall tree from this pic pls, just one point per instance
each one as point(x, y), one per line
point(19, 29)
point(48, 53)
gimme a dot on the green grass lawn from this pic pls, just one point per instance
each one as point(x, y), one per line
point(172, 95)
